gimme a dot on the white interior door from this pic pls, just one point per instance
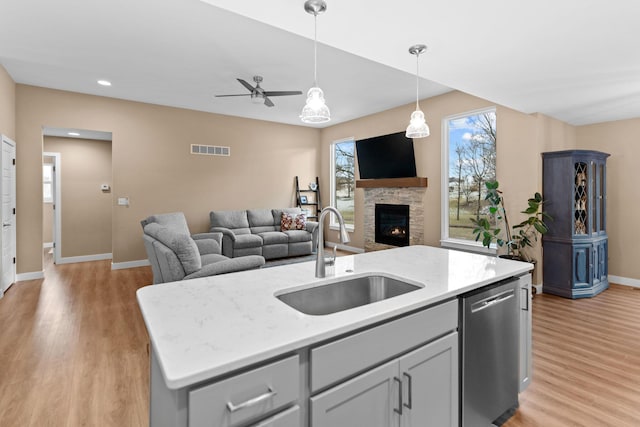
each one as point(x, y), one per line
point(8, 205)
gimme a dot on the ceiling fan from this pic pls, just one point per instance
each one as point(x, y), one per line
point(258, 94)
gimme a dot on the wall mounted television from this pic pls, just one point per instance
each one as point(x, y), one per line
point(386, 156)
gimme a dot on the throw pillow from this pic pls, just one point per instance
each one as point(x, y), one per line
point(292, 221)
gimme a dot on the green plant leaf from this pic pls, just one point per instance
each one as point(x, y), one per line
point(542, 229)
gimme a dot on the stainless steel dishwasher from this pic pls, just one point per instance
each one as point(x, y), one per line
point(490, 354)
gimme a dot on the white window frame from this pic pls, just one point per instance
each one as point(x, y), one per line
point(445, 240)
point(50, 182)
point(333, 222)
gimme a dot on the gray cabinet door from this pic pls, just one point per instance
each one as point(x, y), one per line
point(600, 261)
point(582, 265)
point(370, 399)
point(430, 384)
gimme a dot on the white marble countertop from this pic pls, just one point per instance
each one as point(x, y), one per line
point(206, 327)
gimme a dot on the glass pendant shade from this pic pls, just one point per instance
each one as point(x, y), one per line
point(315, 110)
point(418, 127)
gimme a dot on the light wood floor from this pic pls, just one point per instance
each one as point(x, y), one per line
point(73, 348)
point(73, 352)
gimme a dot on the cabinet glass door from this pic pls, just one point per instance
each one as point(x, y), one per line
point(594, 198)
point(581, 203)
point(601, 197)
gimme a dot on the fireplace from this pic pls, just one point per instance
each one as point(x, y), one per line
point(392, 224)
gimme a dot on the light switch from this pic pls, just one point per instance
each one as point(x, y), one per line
point(123, 201)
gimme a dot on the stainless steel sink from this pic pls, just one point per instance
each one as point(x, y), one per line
point(346, 294)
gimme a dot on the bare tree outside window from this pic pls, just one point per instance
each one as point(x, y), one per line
point(344, 183)
point(472, 162)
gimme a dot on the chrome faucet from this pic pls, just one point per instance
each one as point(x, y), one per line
point(321, 261)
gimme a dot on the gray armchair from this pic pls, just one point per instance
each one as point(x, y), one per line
point(175, 255)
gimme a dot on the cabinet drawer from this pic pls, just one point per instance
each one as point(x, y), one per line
point(288, 418)
point(246, 396)
point(334, 361)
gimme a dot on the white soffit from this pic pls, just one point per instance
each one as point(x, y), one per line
point(81, 133)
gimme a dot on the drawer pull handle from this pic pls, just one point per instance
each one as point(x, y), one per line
point(254, 401)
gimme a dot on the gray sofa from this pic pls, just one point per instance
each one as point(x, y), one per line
point(258, 232)
point(175, 255)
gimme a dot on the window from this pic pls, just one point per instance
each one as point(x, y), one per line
point(47, 183)
point(343, 181)
point(469, 161)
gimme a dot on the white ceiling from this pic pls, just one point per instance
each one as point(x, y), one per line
point(573, 60)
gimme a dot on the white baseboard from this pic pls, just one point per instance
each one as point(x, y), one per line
point(34, 275)
point(130, 264)
point(624, 281)
point(538, 288)
point(345, 247)
point(84, 258)
point(47, 245)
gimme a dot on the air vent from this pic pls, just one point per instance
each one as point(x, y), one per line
point(210, 150)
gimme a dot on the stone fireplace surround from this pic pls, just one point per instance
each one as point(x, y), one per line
point(397, 191)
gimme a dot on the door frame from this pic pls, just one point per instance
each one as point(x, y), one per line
point(6, 139)
point(57, 205)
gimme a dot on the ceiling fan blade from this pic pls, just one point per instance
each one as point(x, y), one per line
point(268, 102)
point(282, 93)
point(247, 85)
point(244, 94)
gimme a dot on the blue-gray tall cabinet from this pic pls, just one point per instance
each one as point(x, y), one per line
point(575, 250)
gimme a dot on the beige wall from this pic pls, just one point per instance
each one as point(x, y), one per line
point(516, 134)
point(152, 165)
point(520, 140)
point(619, 139)
point(7, 104)
point(85, 209)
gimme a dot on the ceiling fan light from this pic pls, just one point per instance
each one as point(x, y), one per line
point(418, 127)
point(257, 98)
point(315, 109)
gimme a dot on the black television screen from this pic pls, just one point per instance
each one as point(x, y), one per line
point(387, 156)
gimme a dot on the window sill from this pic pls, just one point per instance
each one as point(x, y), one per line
point(467, 246)
point(336, 227)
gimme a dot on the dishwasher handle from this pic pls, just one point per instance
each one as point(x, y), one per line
point(491, 301)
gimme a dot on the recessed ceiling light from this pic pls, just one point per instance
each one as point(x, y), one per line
point(104, 82)
point(73, 134)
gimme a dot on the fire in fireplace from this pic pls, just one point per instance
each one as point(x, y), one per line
point(392, 224)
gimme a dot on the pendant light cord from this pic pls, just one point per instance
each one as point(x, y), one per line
point(417, 80)
point(315, 50)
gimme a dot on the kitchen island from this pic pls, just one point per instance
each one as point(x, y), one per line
point(227, 351)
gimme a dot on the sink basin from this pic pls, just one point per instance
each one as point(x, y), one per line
point(346, 294)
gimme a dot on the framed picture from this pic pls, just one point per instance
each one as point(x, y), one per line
point(303, 199)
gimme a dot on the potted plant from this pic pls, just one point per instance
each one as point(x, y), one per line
point(517, 239)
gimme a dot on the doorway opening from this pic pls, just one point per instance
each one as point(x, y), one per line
point(77, 200)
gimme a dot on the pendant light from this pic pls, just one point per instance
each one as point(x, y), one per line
point(315, 110)
point(418, 127)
